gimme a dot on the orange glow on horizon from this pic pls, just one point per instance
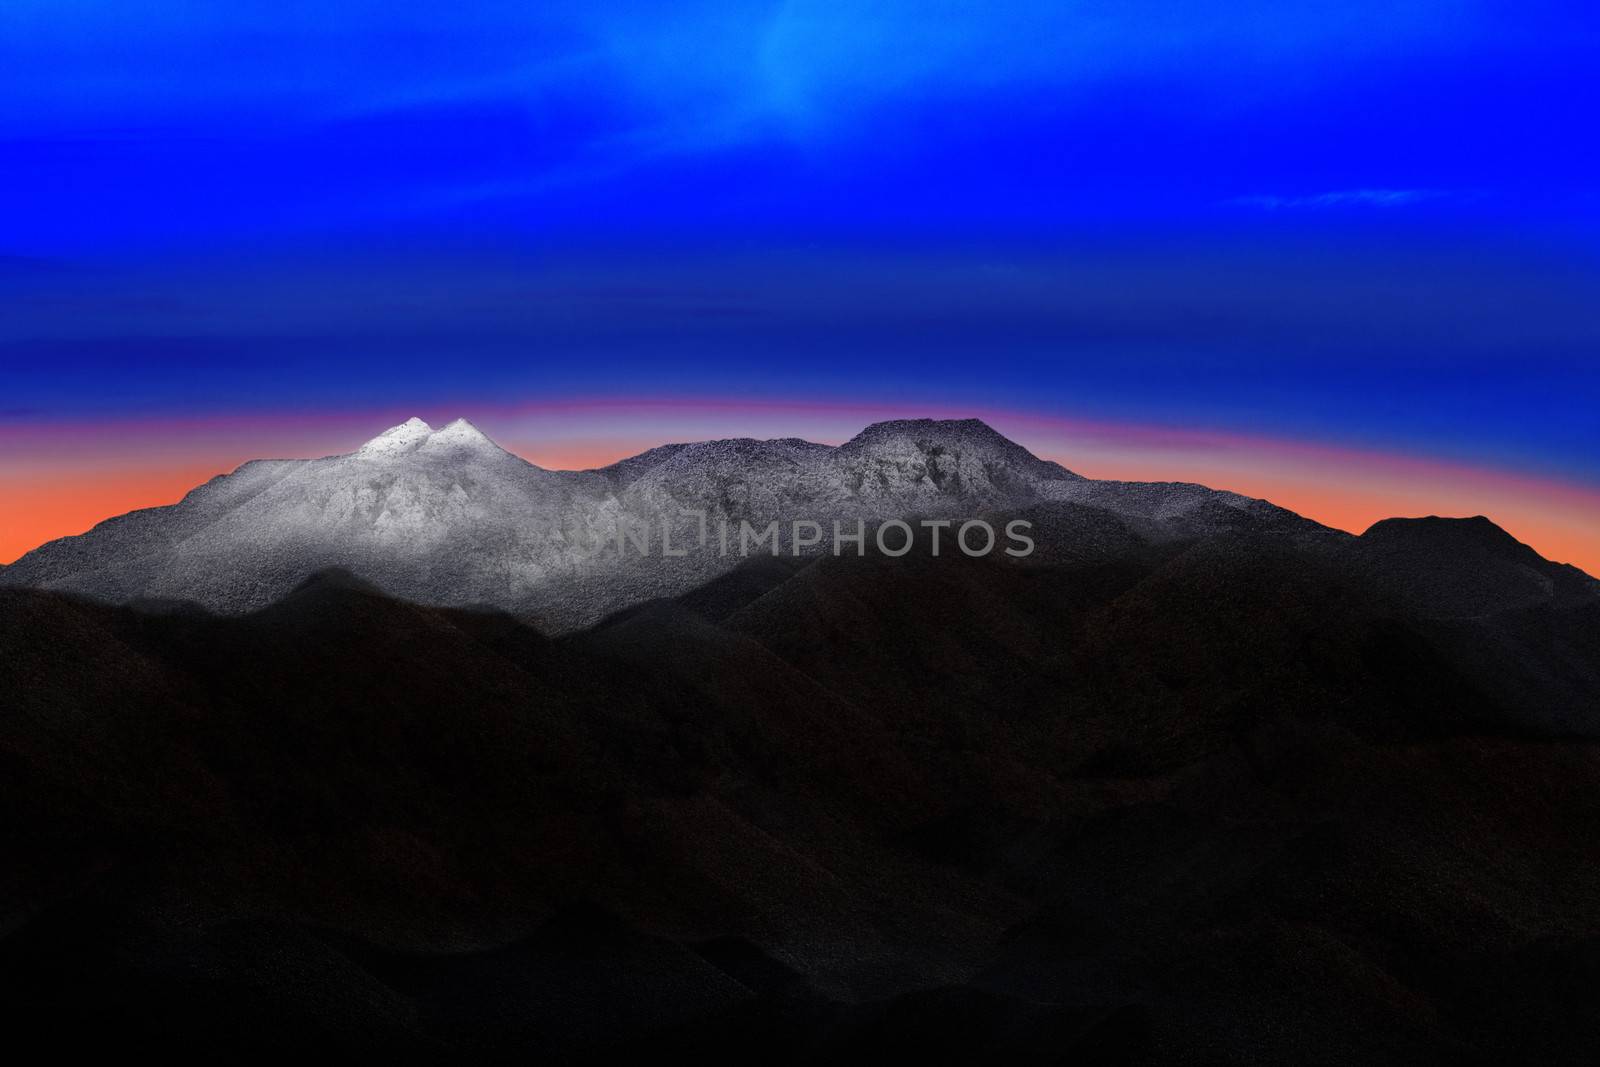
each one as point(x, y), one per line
point(40, 507)
point(1560, 534)
point(48, 493)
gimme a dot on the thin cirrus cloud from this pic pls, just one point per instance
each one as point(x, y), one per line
point(689, 77)
point(1354, 198)
point(260, 207)
point(793, 55)
point(133, 121)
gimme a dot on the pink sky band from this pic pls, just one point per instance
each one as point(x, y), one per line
point(60, 478)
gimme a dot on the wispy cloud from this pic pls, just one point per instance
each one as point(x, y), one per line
point(1339, 198)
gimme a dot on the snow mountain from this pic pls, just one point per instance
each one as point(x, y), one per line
point(446, 517)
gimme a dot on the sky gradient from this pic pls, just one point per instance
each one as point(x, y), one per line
point(1340, 255)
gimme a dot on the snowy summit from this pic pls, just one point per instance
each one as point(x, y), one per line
point(448, 517)
point(397, 440)
point(414, 435)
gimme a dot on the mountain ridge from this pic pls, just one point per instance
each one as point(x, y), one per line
point(447, 517)
point(1195, 775)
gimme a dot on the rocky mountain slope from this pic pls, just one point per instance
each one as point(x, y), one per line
point(446, 517)
point(1197, 781)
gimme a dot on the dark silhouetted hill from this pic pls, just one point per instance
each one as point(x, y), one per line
point(1230, 796)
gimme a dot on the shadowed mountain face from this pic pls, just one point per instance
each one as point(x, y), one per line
point(1197, 781)
point(447, 518)
point(1242, 795)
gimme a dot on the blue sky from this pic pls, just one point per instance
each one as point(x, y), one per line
point(1358, 222)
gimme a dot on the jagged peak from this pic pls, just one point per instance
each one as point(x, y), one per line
point(397, 440)
point(414, 435)
point(461, 433)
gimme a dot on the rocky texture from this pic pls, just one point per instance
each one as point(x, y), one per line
point(446, 517)
point(1197, 781)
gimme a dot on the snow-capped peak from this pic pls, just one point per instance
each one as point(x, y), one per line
point(414, 435)
point(397, 440)
point(460, 434)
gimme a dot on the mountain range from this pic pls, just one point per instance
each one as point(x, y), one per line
point(447, 518)
point(1197, 781)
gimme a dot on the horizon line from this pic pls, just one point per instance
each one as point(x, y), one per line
point(1298, 474)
